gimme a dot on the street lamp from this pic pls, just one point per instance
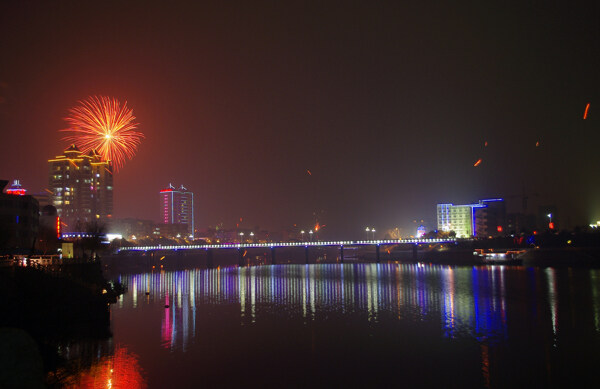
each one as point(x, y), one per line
point(373, 231)
point(241, 237)
point(367, 231)
point(302, 234)
point(310, 233)
point(252, 236)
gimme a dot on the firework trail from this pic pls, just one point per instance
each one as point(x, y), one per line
point(101, 123)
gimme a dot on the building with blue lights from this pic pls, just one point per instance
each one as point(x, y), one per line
point(487, 218)
point(178, 208)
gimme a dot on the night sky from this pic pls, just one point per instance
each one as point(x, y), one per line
point(388, 104)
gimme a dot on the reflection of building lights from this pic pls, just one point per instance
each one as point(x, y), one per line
point(119, 370)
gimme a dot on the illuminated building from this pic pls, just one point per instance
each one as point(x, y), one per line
point(421, 231)
point(82, 188)
point(178, 208)
point(49, 231)
point(16, 189)
point(19, 219)
point(484, 219)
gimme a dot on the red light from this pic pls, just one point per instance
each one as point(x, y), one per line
point(499, 228)
point(551, 225)
point(534, 232)
point(16, 192)
point(58, 227)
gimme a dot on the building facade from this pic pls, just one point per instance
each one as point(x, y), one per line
point(178, 208)
point(484, 219)
point(19, 219)
point(82, 188)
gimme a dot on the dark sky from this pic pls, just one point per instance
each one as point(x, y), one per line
point(388, 104)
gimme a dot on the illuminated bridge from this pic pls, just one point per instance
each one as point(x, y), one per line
point(242, 247)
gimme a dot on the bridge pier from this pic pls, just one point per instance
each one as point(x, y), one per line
point(377, 253)
point(209, 259)
point(342, 253)
point(415, 251)
point(306, 254)
point(241, 261)
point(273, 260)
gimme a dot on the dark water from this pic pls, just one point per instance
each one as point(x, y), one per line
point(357, 325)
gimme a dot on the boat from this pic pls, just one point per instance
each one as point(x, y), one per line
point(508, 257)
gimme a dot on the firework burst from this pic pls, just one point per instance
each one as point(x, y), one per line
point(101, 123)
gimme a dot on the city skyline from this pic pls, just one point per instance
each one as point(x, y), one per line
point(355, 115)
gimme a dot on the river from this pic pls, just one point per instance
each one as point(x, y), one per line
point(357, 325)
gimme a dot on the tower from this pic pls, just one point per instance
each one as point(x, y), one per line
point(178, 208)
point(82, 188)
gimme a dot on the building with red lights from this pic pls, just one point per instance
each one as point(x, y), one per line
point(178, 207)
point(82, 188)
point(19, 219)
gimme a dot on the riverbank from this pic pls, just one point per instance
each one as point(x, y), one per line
point(561, 257)
point(55, 306)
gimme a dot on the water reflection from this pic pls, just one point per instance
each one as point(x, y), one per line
point(100, 365)
point(466, 301)
point(490, 326)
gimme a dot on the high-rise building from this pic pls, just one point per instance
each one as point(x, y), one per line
point(82, 188)
point(486, 218)
point(178, 207)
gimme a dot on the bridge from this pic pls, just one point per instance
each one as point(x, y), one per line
point(242, 247)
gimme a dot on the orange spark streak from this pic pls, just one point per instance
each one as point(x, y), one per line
point(586, 111)
point(101, 123)
point(309, 173)
point(478, 162)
